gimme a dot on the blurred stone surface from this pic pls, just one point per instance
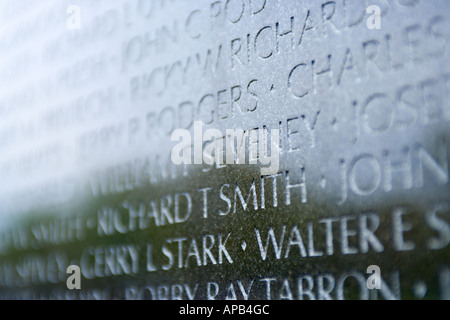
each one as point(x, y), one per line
point(91, 91)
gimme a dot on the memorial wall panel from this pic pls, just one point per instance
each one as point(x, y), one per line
point(232, 149)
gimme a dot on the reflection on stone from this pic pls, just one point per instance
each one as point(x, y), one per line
point(92, 92)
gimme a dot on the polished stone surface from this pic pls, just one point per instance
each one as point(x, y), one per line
point(91, 92)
